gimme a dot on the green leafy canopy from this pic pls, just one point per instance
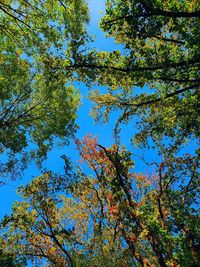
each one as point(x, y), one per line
point(38, 100)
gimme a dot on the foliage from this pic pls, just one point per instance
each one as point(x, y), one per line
point(34, 224)
point(108, 214)
point(53, 228)
point(156, 215)
point(155, 78)
point(10, 261)
point(112, 215)
point(38, 101)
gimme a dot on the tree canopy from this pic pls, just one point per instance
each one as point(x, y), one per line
point(155, 79)
point(38, 102)
point(111, 215)
point(101, 211)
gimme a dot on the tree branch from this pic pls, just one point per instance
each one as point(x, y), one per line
point(161, 98)
point(157, 12)
point(136, 68)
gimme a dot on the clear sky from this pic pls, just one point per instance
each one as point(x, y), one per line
point(8, 191)
point(104, 132)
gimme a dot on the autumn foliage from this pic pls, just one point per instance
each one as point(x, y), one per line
point(111, 214)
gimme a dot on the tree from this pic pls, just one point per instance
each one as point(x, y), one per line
point(156, 215)
point(110, 215)
point(155, 78)
point(38, 102)
point(56, 229)
point(35, 230)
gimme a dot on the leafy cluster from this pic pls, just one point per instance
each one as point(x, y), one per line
point(114, 215)
point(157, 80)
point(38, 100)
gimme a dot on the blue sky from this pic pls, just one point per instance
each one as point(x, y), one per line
point(8, 191)
point(86, 123)
point(104, 132)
